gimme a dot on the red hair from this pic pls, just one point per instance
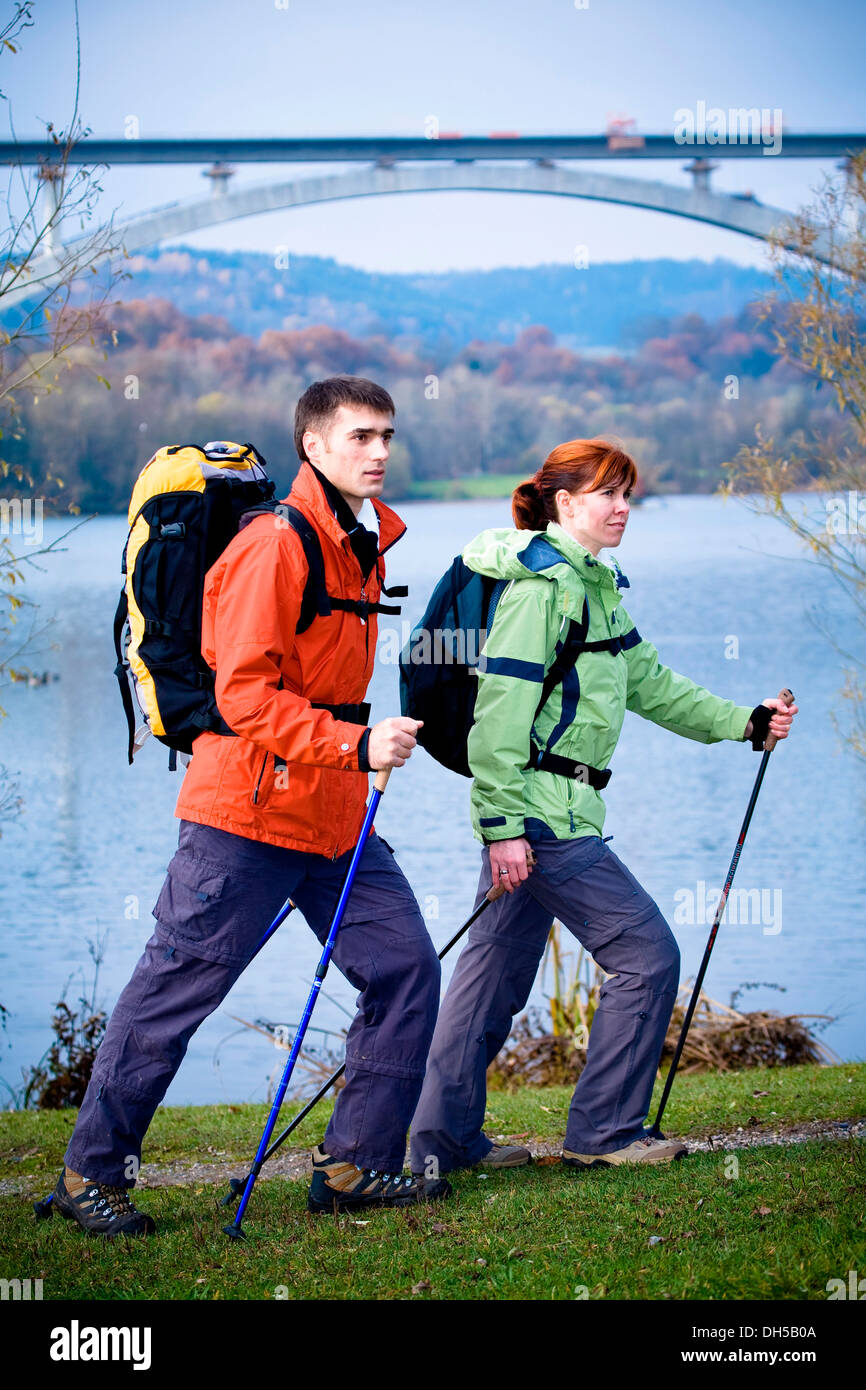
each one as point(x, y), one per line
point(579, 465)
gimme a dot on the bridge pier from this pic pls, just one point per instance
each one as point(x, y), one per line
point(700, 170)
point(50, 204)
point(219, 175)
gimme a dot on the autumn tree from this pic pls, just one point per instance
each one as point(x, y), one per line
point(817, 312)
point(46, 310)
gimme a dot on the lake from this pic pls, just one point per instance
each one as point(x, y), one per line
point(726, 596)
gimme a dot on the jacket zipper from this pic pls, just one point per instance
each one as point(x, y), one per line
point(259, 782)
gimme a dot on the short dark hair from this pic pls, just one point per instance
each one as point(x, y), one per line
point(321, 401)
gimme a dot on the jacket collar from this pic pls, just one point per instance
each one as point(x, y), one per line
point(307, 489)
point(590, 569)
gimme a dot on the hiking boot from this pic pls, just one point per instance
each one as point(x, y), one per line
point(339, 1186)
point(99, 1208)
point(644, 1150)
point(504, 1156)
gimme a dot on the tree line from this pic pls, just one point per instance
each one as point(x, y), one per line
point(683, 401)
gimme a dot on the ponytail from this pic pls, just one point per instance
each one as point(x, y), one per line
point(527, 505)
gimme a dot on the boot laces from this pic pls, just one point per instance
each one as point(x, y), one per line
point(118, 1201)
point(386, 1178)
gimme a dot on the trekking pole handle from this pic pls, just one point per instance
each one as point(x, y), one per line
point(382, 776)
point(496, 890)
point(787, 699)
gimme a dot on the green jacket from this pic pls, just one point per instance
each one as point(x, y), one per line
point(583, 717)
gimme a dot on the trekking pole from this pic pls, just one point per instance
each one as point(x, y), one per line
point(655, 1133)
point(236, 1185)
point(287, 907)
point(379, 785)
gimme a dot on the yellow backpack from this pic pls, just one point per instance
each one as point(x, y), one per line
point(186, 507)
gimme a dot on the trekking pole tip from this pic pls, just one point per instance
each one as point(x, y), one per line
point(234, 1232)
point(44, 1209)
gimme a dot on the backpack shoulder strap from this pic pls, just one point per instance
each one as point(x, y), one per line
point(566, 656)
point(121, 671)
point(315, 600)
point(575, 643)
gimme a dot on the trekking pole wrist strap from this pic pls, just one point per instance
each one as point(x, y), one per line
point(760, 720)
point(595, 777)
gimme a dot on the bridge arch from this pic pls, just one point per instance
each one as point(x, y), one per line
point(737, 214)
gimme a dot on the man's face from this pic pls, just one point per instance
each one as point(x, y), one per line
point(352, 452)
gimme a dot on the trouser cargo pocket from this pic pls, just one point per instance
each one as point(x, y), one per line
point(201, 911)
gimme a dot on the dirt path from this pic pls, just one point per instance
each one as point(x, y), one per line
point(293, 1164)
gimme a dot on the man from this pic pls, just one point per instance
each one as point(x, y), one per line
point(275, 813)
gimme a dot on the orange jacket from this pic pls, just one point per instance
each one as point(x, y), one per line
point(252, 599)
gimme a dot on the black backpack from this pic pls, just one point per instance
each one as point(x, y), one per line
point(438, 683)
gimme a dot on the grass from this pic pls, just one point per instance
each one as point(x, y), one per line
point(33, 1142)
point(765, 1223)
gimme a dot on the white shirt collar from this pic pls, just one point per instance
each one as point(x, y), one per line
point(368, 516)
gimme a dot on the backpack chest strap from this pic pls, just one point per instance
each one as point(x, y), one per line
point(363, 607)
point(568, 767)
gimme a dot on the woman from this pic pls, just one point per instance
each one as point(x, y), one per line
point(537, 775)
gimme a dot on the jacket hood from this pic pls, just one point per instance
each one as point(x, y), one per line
point(509, 554)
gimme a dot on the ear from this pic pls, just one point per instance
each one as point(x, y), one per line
point(564, 501)
point(311, 442)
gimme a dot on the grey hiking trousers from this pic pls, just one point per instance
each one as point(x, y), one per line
point(585, 885)
point(221, 893)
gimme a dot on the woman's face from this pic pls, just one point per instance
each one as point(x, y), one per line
point(595, 519)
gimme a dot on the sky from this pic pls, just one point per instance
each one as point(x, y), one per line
point(323, 67)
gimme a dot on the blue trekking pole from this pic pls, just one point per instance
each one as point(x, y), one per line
point(236, 1185)
point(379, 785)
point(287, 908)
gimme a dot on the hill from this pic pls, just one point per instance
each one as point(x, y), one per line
point(609, 305)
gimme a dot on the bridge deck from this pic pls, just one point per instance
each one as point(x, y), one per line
point(342, 149)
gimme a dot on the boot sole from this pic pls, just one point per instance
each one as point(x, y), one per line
point(512, 1163)
point(336, 1207)
point(622, 1163)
